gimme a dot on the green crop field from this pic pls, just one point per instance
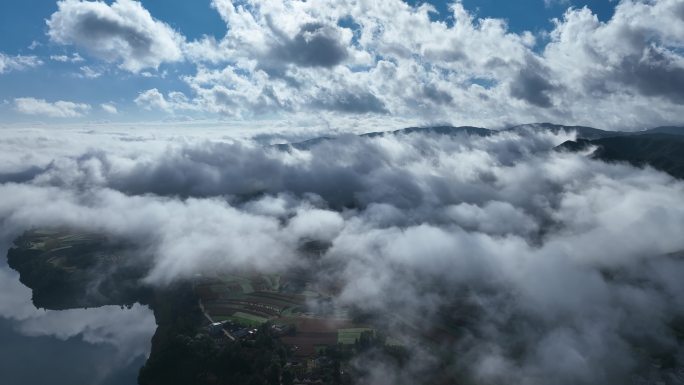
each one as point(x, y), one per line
point(350, 336)
point(248, 319)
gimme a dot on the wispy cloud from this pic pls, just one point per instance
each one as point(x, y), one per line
point(89, 73)
point(58, 109)
point(17, 63)
point(109, 108)
point(74, 58)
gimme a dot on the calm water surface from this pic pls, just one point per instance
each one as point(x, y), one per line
point(102, 346)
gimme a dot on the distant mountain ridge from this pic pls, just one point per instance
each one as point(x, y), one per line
point(441, 130)
point(661, 147)
point(583, 132)
point(672, 130)
point(664, 152)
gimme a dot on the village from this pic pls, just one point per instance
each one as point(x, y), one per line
point(236, 306)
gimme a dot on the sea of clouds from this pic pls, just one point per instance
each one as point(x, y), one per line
point(554, 267)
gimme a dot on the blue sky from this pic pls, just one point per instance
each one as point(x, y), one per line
point(85, 74)
point(22, 22)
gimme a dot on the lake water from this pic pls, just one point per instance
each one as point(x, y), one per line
point(101, 346)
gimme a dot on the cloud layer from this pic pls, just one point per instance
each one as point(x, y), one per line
point(549, 266)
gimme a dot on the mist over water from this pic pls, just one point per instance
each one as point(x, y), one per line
point(103, 346)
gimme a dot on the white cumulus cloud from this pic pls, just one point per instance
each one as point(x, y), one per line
point(152, 99)
point(122, 32)
point(389, 58)
point(109, 108)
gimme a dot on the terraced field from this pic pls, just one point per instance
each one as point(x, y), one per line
point(252, 301)
point(350, 336)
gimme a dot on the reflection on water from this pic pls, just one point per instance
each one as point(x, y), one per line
point(101, 346)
